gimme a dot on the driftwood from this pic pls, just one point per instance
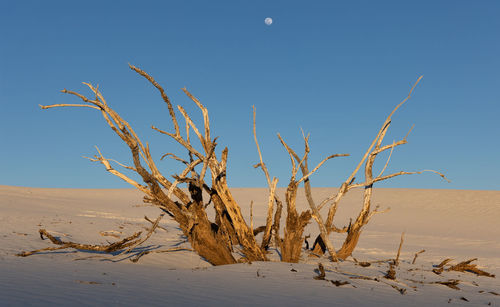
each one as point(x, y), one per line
point(350, 275)
point(444, 262)
point(391, 279)
point(113, 247)
point(440, 267)
point(466, 266)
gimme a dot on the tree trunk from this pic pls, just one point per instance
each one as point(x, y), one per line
point(207, 239)
point(291, 246)
point(251, 249)
point(349, 243)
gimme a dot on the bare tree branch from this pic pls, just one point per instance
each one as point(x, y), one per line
point(122, 176)
point(387, 162)
point(204, 111)
point(261, 164)
point(69, 105)
point(382, 130)
point(148, 235)
point(305, 177)
point(128, 241)
point(269, 220)
point(163, 95)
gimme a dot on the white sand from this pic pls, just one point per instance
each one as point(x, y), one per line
point(447, 223)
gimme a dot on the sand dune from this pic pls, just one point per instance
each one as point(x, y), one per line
point(446, 223)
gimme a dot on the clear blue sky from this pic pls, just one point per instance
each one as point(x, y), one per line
point(334, 68)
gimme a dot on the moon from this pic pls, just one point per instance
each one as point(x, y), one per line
point(268, 21)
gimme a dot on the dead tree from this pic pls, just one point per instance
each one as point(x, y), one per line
point(366, 213)
point(291, 244)
point(211, 240)
point(216, 240)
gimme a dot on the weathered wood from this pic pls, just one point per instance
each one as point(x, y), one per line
point(269, 220)
point(416, 255)
point(273, 198)
point(291, 247)
point(396, 261)
point(214, 240)
point(108, 248)
point(365, 214)
point(466, 266)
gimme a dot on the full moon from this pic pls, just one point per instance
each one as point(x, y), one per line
point(268, 21)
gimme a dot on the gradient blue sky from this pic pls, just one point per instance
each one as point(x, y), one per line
point(334, 68)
